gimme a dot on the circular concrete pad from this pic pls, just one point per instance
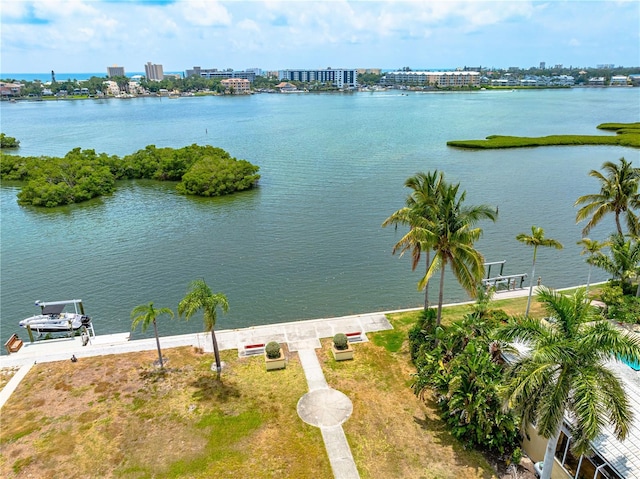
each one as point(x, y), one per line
point(324, 407)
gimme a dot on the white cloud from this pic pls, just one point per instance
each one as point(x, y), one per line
point(204, 13)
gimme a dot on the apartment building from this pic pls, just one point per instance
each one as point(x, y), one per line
point(221, 74)
point(428, 78)
point(153, 72)
point(340, 78)
point(238, 86)
point(115, 71)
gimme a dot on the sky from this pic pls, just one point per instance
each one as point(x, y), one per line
point(89, 35)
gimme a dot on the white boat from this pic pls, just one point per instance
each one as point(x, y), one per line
point(53, 318)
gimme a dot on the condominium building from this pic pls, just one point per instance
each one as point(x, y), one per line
point(238, 86)
point(340, 78)
point(153, 72)
point(221, 74)
point(439, 79)
point(115, 71)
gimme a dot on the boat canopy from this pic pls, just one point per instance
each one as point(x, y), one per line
point(56, 307)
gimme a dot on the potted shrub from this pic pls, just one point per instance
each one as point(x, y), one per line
point(341, 349)
point(274, 357)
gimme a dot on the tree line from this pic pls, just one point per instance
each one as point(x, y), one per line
point(84, 174)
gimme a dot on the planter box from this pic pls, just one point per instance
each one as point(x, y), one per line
point(342, 354)
point(278, 363)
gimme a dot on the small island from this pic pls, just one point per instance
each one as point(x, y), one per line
point(627, 134)
point(84, 174)
point(8, 141)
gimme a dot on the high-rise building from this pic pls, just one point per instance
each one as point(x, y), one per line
point(153, 72)
point(339, 77)
point(115, 71)
point(543, 65)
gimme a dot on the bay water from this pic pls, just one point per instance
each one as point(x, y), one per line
point(308, 242)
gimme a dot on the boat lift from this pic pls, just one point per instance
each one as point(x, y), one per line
point(56, 307)
point(503, 282)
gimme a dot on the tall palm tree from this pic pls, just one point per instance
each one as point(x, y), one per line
point(419, 212)
point(452, 235)
point(564, 371)
point(594, 249)
point(146, 314)
point(536, 239)
point(200, 297)
point(624, 262)
point(618, 195)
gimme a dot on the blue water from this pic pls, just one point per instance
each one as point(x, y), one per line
point(308, 242)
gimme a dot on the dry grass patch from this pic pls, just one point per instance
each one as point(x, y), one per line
point(118, 416)
point(391, 432)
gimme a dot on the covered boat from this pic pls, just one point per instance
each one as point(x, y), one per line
point(53, 318)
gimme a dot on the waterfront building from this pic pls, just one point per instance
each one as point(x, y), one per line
point(619, 80)
point(239, 86)
point(115, 71)
point(10, 89)
point(597, 81)
point(153, 72)
point(609, 458)
point(429, 78)
point(256, 71)
point(339, 77)
point(221, 74)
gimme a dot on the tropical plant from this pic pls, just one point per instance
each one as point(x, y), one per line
point(562, 370)
point(624, 261)
point(536, 239)
point(618, 195)
point(200, 297)
point(594, 249)
point(418, 213)
point(146, 314)
point(461, 372)
point(452, 235)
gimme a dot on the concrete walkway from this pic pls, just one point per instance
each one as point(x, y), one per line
point(322, 406)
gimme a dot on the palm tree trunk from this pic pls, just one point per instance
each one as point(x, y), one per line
point(549, 455)
point(440, 296)
point(533, 273)
point(426, 286)
point(618, 225)
point(588, 281)
point(216, 353)
point(155, 327)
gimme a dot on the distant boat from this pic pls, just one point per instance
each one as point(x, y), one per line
point(53, 318)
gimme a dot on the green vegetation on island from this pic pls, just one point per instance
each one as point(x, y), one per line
point(84, 174)
point(8, 141)
point(627, 134)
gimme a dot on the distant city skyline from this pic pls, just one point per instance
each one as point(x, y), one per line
point(90, 35)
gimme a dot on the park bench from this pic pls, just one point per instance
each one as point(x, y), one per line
point(354, 337)
point(252, 349)
point(13, 344)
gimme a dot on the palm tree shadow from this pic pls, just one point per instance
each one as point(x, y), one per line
point(209, 388)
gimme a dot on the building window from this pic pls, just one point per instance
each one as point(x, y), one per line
point(593, 467)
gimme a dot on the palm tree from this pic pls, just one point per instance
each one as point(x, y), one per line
point(618, 195)
point(624, 262)
point(417, 215)
point(536, 239)
point(594, 249)
point(452, 235)
point(200, 297)
point(146, 314)
point(564, 371)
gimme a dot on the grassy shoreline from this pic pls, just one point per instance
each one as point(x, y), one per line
point(627, 134)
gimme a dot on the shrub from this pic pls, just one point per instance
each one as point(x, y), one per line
point(273, 350)
point(340, 341)
point(422, 333)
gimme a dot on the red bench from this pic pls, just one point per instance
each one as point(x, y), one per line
point(354, 337)
point(251, 349)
